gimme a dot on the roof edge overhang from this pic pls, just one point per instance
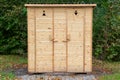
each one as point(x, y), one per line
point(60, 5)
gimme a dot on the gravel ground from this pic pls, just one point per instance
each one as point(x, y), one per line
point(58, 77)
point(22, 74)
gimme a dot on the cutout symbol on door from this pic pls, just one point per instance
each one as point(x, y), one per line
point(76, 12)
point(44, 13)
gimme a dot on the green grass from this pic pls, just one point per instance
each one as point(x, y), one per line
point(7, 76)
point(8, 62)
point(115, 76)
point(113, 67)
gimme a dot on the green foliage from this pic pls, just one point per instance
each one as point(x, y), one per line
point(13, 27)
point(106, 26)
point(106, 40)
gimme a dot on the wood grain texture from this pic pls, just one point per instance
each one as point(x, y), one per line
point(75, 45)
point(59, 38)
point(43, 43)
point(88, 39)
point(31, 39)
point(60, 5)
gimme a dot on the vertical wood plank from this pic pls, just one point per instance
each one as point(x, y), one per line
point(88, 39)
point(44, 33)
point(75, 45)
point(31, 39)
point(44, 55)
point(53, 39)
point(60, 38)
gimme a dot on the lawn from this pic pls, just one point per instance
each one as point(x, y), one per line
point(110, 70)
point(115, 76)
point(115, 68)
point(9, 62)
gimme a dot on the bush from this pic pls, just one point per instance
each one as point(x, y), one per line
point(106, 40)
point(13, 28)
point(106, 27)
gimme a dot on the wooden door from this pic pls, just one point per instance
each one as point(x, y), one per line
point(75, 31)
point(44, 45)
point(60, 40)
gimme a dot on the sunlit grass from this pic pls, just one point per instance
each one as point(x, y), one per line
point(115, 76)
point(7, 76)
point(113, 67)
point(7, 61)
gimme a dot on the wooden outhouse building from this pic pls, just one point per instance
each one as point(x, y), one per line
point(59, 37)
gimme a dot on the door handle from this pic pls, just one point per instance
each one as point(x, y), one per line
point(68, 37)
point(64, 41)
point(51, 38)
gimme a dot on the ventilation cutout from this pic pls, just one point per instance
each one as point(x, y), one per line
point(44, 13)
point(76, 12)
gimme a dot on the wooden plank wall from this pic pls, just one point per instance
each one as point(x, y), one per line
point(88, 39)
point(60, 37)
point(44, 47)
point(60, 24)
point(75, 26)
point(31, 39)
